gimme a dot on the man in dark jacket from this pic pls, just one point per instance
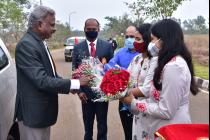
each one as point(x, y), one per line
point(114, 43)
point(94, 47)
point(38, 83)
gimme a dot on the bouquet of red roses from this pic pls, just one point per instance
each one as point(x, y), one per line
point(114, 85)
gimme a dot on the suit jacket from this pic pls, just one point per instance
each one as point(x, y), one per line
point(103, 50)
point(37, 87)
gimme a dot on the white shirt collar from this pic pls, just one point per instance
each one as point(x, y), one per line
point(48, 53)
point(88, 42)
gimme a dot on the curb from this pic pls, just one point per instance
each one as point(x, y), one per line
point(202, 84)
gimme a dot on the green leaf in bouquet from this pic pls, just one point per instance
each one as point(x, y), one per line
point(116, 72)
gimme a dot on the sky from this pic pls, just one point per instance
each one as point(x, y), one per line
point(80, 10)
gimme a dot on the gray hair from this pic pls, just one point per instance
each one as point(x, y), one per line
point(39, 14)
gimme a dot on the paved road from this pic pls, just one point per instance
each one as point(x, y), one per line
point(70, 126)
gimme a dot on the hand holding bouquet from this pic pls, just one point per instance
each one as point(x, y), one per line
point(90, 67)
point(83, 70)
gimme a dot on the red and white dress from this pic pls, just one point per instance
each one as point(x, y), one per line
point(142, 72)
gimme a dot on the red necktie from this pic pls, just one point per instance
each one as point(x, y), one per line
point(92, 50)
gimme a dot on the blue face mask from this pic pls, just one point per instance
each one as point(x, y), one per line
point(129, 43)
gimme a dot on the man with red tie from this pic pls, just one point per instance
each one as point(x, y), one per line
point(94, 47)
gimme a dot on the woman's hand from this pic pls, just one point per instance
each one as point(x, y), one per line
point(103, 61)
point(136, 92)
point(127, 99)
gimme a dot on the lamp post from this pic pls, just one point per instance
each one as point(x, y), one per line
point(40, 2)
point(70, 19)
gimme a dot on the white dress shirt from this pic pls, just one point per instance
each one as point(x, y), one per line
point(48, 53)
point(89, 47)
point(75, 84)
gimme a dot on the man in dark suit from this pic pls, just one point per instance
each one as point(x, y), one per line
point(94, 47)
point(38, 83)
point(113, 42)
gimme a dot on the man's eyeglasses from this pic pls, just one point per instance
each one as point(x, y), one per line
point(129, 36)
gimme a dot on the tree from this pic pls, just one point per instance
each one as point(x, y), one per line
point(62, 32)
point(12, 18)
point(198, 25)
point(177, 20)
point(154, 8)
point(138, 9)
point(116, 26)
point(21, 2)
point(188, 26)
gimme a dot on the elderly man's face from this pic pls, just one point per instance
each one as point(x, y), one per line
point(130, 32)
point(47, 27)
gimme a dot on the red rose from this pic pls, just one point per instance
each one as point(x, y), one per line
point(115, 81)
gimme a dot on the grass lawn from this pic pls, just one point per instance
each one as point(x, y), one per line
point(201, 71)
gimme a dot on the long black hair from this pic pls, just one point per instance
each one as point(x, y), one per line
point(145, 31)
point(172, 41)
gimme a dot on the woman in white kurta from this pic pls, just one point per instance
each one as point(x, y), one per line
point(141, 69)
point(168, 99)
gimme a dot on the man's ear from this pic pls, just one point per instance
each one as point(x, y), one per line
point(39, 25)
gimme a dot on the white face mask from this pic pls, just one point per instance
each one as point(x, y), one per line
point(153, 50)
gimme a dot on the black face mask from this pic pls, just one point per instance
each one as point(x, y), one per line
point(91, 34)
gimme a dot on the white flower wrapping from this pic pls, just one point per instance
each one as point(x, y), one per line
point(96, 70)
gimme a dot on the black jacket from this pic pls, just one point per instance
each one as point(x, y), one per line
point(37, 87)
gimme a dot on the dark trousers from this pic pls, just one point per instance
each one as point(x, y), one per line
point(127, 122)
point(89, 111)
